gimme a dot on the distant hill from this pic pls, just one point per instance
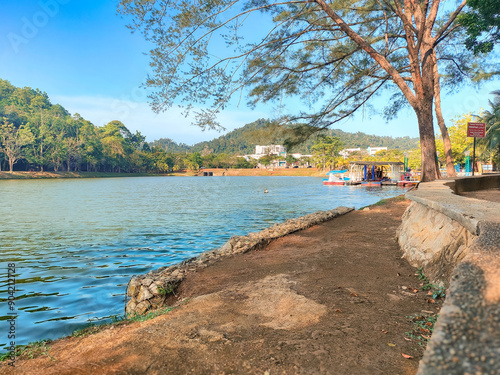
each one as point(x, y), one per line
point(170, 146)
point(242, 141)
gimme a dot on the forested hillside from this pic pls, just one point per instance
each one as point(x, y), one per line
point(170, 145)
point(242, 141)
point(37, 135)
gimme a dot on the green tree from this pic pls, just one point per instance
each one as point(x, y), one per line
point(194, 161)
point(12, 142)
point(244, 163)
point(325, 151)
point(304, 160)
point(266, 160)
point(344, 51)
point(458, 136)
point(290, 159)
point(390, 155)
point(163, 162)
point(222, 160)
point(482, 22)
point(114, 145)
point(414, 159)
point(490, 144)
point(92, 148)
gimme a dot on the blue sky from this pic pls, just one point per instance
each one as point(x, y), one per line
point(81, 54)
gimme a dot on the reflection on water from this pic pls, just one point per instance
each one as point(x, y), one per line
point(76, 243)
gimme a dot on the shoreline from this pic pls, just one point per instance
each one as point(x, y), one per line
point(217, 172)
point(153, 290)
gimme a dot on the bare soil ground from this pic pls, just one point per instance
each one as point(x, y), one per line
point(332, 299)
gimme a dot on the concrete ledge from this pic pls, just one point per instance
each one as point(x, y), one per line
point(442, 197)
point(466, 184)
point(466, 338)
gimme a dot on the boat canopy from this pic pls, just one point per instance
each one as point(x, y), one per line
point(358, 169)
point(335, 172)
point(376, 163)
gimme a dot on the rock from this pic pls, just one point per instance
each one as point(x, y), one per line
point(142, 307)
point(131, 306)
point(153, 288)
point(132, 288)
point(144, 294)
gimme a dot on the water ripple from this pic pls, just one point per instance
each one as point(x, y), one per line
point(76, 243)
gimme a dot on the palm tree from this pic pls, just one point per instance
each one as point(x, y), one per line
point(491, 142)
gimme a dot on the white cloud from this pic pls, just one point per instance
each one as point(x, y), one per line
point(136, 114)
point(139, 116)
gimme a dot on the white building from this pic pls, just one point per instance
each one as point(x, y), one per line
point(346, 151)
point(373, 150)
point(270, 150)
point(279, 150)
point(370, 150)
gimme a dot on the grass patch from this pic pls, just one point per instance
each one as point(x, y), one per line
point(94, 325)
point(168, 290)
point(422, 328)
point(437, 291)
point(423, 325)
point(149, 315)
point(383, 202)
point(30, 351)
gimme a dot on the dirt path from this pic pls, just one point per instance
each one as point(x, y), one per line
point(332, 299)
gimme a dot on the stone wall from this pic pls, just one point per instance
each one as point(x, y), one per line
point(150, 291)
point(433, 241)
point(457, 242)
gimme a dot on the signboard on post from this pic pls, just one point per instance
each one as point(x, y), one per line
point(476, 129)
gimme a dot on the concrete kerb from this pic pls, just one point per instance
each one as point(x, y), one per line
point(150, 291)
point(440, 196)
point(457, 240)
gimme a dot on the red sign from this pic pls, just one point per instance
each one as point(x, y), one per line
point(476, 129)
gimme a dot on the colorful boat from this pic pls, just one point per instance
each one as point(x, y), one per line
point(336, 178)
point(372, 183)
point(378, 173)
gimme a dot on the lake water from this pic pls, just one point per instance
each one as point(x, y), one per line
point(77, 242)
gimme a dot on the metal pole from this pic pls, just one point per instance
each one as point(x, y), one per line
point(474, 156)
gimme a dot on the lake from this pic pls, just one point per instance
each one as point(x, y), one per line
point(77, 242)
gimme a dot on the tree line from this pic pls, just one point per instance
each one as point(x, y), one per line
point(38, 135)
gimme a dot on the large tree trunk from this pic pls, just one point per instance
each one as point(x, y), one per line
point(450, 164)
point(11, 165)
point(430, 167)
point(424, 89)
